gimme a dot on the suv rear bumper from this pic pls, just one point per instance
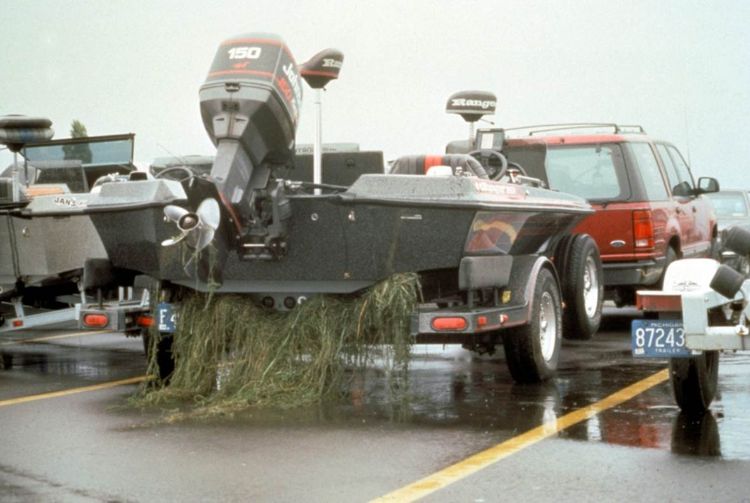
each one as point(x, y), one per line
point(642, 272)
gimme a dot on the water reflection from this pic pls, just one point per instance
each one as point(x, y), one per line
point(696, 435)
point(70, 362)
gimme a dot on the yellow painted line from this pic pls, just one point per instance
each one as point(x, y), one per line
point(481, 460)
point(73, 391)
point(52, 337)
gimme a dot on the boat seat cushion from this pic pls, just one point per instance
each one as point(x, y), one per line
point(419, 164)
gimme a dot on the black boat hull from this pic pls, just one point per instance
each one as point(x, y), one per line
point(338, 246)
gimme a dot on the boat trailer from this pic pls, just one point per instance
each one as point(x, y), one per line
point(703, 309)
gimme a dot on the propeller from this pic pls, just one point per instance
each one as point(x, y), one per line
point(197, 228)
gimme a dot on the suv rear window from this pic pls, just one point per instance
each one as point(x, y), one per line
point(590, 171)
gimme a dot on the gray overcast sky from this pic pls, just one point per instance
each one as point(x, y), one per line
point(679, 68)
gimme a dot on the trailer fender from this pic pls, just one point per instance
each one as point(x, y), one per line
point(523, 278)
point(689, 274)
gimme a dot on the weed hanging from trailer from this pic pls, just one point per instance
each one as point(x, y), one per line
point(230, 354)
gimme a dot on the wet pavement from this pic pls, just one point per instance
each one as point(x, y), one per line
point(91, 446)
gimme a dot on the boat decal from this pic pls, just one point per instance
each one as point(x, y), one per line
point(493, 232)
point(69, 202)
point(505, 189)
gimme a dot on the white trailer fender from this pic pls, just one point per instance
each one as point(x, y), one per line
point(690, 274)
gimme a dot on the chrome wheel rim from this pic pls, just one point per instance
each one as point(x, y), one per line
point(590, 287)
point(547, 326)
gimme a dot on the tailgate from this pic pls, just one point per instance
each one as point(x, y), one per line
point(611, 226)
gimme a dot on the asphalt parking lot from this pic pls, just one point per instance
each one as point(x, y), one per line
point(605, 428)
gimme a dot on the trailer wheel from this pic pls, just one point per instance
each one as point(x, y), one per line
point(582, 287)
point(164, 360)
point(533, 350)
point(694, 381)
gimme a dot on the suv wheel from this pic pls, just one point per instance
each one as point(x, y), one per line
point(582, 288)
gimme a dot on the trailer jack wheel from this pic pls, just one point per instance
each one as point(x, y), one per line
point(694, 381)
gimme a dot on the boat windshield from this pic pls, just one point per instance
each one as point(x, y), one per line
point(76, 162)
point(91, 151)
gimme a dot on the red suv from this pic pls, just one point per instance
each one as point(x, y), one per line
point(649, 209)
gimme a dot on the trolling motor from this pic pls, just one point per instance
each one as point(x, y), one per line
point(15, 132)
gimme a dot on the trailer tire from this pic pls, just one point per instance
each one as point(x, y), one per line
point(533, 350)
point(694, 381)
point(582, 288)
point(164, 360)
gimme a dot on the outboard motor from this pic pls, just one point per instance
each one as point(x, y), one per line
point(250, 106)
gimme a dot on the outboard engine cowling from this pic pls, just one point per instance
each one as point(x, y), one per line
point(253, 93)
point(250, 106)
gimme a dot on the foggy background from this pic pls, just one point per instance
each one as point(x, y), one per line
point(678, 68)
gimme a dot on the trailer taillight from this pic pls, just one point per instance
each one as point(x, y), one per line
point(145, 321)
point(643, 229)
point(95, 320)
point(450, 323)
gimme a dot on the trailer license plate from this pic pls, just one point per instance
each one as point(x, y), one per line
point(658, 339)
point(167, 318)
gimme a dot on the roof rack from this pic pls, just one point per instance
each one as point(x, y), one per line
point(547, 128)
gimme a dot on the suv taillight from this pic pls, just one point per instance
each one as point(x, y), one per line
point(643, 229)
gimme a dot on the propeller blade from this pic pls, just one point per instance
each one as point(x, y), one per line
point(209, 213)
point(174, 213)
point(174, 240)
point(205, 238)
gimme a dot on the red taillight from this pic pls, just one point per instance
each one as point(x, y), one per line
point(95, 320)
point(17, 323)
point(643, 229)
point(481, 321)
point(145, 321)
point(450, 323)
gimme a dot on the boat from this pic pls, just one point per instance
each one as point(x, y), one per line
point(44, 240)
point(486, 249)
point(268, 235)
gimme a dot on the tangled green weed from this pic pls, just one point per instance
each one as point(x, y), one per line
point(230, 353)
